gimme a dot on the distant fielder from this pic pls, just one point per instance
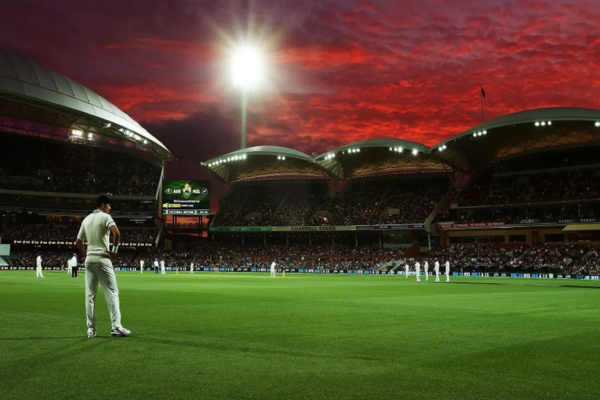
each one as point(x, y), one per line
point(162, 267)
point(406, 269)
point(38, 269)
point(74, 267)
point(426, 268)
point(447, 265)
point(141, 267)
point(273, 274)
point(155, 267)
point(436, 268)
point(69, 266)
point(417, 271)
point(192, 269)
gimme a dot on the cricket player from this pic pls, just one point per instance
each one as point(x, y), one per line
point(162, 267)
point(69, 266)
point(426, 268)
point(95, 230)
point(74, 268)
point(418, 271)
point(273, 274)
point(436, 268)
point(447, 265)
point(141, 267)
point(155, 266)
point(406, 269)
point(38, 269)
point(192, 269)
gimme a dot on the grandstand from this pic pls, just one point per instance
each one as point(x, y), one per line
point(62, 145)
point(528, 179)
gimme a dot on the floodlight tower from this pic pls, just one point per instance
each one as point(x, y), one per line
point(247, 66)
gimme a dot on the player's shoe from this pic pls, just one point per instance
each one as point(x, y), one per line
point(91, 333)
point(120, 331)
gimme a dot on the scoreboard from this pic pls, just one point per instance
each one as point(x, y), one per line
point(186, 198)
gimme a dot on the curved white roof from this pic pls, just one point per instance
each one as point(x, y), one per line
point(30, 80)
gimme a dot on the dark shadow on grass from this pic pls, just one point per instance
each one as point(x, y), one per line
point(242, 349)
point(80, 337)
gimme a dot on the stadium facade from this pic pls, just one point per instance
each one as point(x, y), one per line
point(524, 170)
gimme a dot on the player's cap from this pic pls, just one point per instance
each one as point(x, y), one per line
point(103, 199)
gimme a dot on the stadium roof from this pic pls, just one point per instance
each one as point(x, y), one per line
point(264, 162)
point(379, 156)
point(519, 134)
point(30, 92)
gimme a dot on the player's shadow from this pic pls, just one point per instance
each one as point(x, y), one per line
point(44, 338)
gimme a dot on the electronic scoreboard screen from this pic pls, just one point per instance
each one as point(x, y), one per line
point(181, 197)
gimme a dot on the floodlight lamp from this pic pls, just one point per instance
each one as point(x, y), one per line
point(484, 132)
point(390, 149)
point(247, 66)
point(108, 125)
point(549, 122)
point(279, 157)
point(400, 149)
point(474, 134)
point(145, 141)
point(283, 157)
point(358, 150)
point(537, 124)
point(244, 156)
point(543, 123)
point(440, 149)
point(415, 152)
point(597, 124)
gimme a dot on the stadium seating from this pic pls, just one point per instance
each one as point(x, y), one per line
point(53, 166)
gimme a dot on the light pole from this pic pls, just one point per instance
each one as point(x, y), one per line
point(247, 68)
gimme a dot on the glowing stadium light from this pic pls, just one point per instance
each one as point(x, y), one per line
point(474, 134)
point(107, 125)
point(444, 146)
point(440, 148)
point(391, 149)
point(244, 156)
point(279, 157)
point(543, 123)
point(484, 132)
point(537, 124)
point(283, 157)
point(76, 132)
point(358, 150)
point(247, 66)
point(549, 122)
point(90, 136)
point(400, 149)
point(597, 124)
point(415, 152)
point(121, 130)
point(145, 141)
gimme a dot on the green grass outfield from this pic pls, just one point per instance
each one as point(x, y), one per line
point(247, 336)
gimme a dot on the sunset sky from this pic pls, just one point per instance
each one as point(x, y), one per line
point(339, 71)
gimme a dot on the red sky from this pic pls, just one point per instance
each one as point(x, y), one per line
point(339, 71)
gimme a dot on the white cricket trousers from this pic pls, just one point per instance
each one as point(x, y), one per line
point(100, 270)
point(38, 273)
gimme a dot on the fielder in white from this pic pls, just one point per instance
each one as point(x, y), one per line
point(162, 267)
point(141, 267)
point(417, 271)
point(447, 265)
point(74, 268)
point(426, 268)
point(95, 230)
point(155, 267)
point(273, 274)
point(192, 269)
point(436, 268)
point(406, 269)
point(38, 268)
point(69, 267)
